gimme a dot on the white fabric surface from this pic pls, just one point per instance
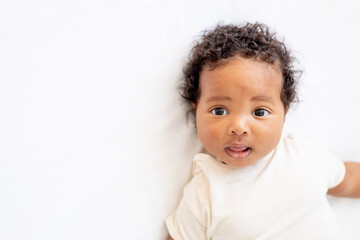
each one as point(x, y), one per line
point(282, 196)
point(93, 138)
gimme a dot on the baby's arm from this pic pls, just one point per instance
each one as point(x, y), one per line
point(350, 186)
point(169, 238)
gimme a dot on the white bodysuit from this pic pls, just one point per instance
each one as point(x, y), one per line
point(282, 197)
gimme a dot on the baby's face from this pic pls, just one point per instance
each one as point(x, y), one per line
point(239, 115)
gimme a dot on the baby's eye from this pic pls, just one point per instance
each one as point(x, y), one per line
point(261, 112)
point(219, 111)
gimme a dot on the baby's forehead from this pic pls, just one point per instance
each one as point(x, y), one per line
point(241, 75)
point(239, 65)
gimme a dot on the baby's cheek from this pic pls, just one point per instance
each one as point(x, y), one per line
point(209, 137)
point(272, 139)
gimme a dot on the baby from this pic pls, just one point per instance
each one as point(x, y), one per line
point(255, 181)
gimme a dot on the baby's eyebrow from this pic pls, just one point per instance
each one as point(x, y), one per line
point(218, 98)
point(262, 99)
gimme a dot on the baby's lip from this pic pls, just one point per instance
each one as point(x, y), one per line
point(238, 151)
point(237, 147)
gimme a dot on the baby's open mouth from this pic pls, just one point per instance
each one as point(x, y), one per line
point(238, 151)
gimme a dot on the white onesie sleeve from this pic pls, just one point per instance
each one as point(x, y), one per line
point(189, 220)
point(335, 170)
point(331, 167)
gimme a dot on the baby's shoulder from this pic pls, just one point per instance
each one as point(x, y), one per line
point(305, 148)
point(295, 140)
point(196, 192)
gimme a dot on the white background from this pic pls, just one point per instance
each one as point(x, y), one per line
point(93, 140)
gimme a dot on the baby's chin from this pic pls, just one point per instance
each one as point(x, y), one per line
point(248, 158)
point(238, 161)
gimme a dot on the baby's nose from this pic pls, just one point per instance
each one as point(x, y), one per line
point(239, 126)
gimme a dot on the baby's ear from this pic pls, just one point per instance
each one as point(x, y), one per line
point(193, 106)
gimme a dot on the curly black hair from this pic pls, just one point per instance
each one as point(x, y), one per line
point(251, 41)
